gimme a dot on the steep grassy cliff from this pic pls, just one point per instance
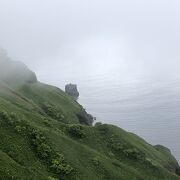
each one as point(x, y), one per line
point(45, 134)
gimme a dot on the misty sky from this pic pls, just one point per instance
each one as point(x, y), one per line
point(65, 40)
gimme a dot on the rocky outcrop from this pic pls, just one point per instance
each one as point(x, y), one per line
point(71, 89)
point(85, 118)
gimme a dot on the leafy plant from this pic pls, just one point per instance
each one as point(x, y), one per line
point(51, 111)
point(76, 131)
point(51, 178)
point(96, 161)
point(60, 167)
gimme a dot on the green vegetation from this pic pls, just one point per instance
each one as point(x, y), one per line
point(76, 130)
point(45, 135)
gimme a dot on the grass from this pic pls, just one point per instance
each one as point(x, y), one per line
point(43, 139)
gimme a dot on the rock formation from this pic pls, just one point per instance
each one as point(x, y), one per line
point(71, 89)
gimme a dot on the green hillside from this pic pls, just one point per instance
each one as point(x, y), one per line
point(46, 134)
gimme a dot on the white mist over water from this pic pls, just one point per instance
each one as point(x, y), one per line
point(149, 109)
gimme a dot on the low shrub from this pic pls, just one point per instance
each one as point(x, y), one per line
point(134, 153)
point(9, 118)
point(39, 143)
point(98, 124)
point(126, 150)
point(51, 111)
point(51, 178)
point(103, 129)
point(96, 161)
point(76, 131)
point(60, 167)
point(47, 123)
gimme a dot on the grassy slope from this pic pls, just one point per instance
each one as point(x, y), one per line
point(46, 127)
point(95, 155)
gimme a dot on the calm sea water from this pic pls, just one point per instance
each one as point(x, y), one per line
point(150, 109)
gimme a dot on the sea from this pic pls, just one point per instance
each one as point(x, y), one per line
point(149, 108)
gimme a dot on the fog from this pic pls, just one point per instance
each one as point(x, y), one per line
point(123, 55)
point(65, 40)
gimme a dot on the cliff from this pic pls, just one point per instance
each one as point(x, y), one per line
point(45, 135)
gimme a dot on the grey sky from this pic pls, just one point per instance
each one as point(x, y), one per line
point(64, 40)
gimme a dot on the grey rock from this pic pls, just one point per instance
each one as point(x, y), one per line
point(71, 89)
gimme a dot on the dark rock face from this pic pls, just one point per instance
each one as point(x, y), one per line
point(178, 170)
point(71, 89)
point(85, 118)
